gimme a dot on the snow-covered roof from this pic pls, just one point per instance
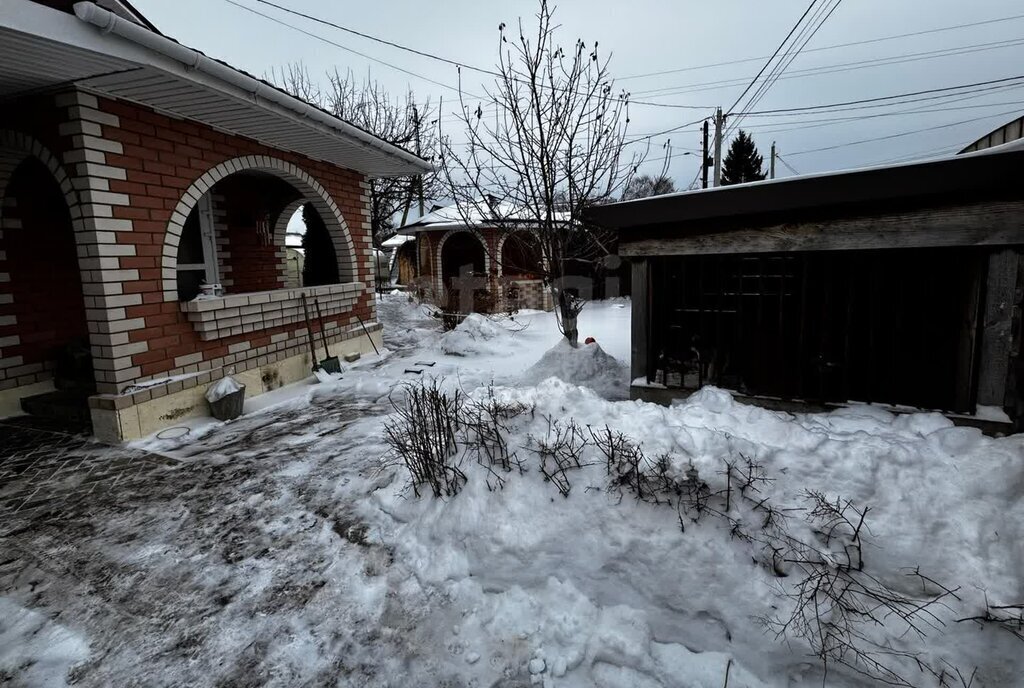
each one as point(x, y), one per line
point(473, 215)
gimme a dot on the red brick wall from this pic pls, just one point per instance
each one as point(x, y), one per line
point(254, 264)
point(163, 157)
point(41, 262)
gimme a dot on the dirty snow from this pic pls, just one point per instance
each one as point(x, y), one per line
point(287, 549)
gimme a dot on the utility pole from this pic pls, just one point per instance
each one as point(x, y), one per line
point(705, 160)
point(772, 166)
point(416, 114)
point(719, 125)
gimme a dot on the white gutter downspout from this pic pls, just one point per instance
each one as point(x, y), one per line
point(108, 22)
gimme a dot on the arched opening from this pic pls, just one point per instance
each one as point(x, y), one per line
point(240, 235)
point(45, 329)
point(240, 211)
point(464, 273)
point(521, 256)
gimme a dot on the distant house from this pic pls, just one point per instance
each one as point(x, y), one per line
point(1009, 132)
point(898, 285)
point(502, 268)
point(135, 173)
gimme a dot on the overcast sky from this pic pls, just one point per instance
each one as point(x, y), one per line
point(654, 36)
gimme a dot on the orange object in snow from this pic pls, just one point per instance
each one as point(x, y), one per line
point(590, 340)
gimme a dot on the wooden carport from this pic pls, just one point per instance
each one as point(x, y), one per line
point(896, 285)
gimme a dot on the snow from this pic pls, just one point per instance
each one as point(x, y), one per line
point(35, 651)
point(223, 387)
point(334, 573)
point(587, 365)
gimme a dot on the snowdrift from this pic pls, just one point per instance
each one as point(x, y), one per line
point(474, 335)
point(586, 365)
point(600, 589)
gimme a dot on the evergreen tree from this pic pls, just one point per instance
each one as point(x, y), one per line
point(742, 163)
point(321, 263)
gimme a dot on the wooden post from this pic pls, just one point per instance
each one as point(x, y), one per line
point(640, 320)
point(996, 333)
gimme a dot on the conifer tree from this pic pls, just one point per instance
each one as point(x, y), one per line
point(742, 163)
point(321, 264)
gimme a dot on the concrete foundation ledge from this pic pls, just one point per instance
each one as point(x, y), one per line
point(115, 418)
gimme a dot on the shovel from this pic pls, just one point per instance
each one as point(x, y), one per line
point(331, 363)
point(309, 333)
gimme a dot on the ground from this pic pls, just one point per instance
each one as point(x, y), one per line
point(288, 548)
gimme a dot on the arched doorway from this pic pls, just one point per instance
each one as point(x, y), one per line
point(464, 264)
point(45, 328)
point(521, 256)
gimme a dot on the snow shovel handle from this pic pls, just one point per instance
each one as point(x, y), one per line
point(320, 321)
point(309, 331)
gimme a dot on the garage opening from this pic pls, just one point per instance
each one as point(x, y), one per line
point(897, 327)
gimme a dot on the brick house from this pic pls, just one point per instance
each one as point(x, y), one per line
point(132, 170)
point(505, 265)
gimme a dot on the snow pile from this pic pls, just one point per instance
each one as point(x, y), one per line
point(587, 365)
point(35, 651)
point(220, 389)
point(600, 589)
point(472, 336)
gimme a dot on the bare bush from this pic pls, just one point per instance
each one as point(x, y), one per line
point(486, 430)
point(1008, 617)
point(560, 450)
point(423, 434)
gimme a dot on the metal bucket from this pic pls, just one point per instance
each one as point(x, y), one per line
point(229, 406)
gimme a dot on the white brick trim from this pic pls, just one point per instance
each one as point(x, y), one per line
point(312, 191)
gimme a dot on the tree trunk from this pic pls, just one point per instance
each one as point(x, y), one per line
point(567, 312)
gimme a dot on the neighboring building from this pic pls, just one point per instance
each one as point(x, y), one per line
point(899, 285)
point(503, 267)
point(295, 261)
point(1012, 131)
point(132, 170)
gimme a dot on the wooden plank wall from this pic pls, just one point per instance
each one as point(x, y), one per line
point(992, 223)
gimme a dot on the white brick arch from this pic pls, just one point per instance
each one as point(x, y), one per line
point(15, 147)
point(311, 190)
point(440, 248)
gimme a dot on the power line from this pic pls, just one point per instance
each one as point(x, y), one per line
point(840, 67)
point(788, 58)
point(784, 41)
point(901, 134)
point(848, 103)
point(377, 39)
point(830, 47)
point(783, 161)
point(803, 125)
point(399, 46)
point(342, 47)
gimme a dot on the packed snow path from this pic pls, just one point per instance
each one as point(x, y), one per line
point(280, 550)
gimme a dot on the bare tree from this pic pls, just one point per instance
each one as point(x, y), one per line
point(404, 122)
point(551, 148)
point(642, 186)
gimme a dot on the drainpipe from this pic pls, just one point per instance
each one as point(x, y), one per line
point(108, 22)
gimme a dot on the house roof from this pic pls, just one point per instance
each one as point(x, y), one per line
point(943, 178)
point(480, 215)
point(109, 54)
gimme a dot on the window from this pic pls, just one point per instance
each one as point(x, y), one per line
point(197, 251)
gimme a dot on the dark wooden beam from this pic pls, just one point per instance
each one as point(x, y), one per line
point(997, 330)
point(992, 223)
point(640, 319)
